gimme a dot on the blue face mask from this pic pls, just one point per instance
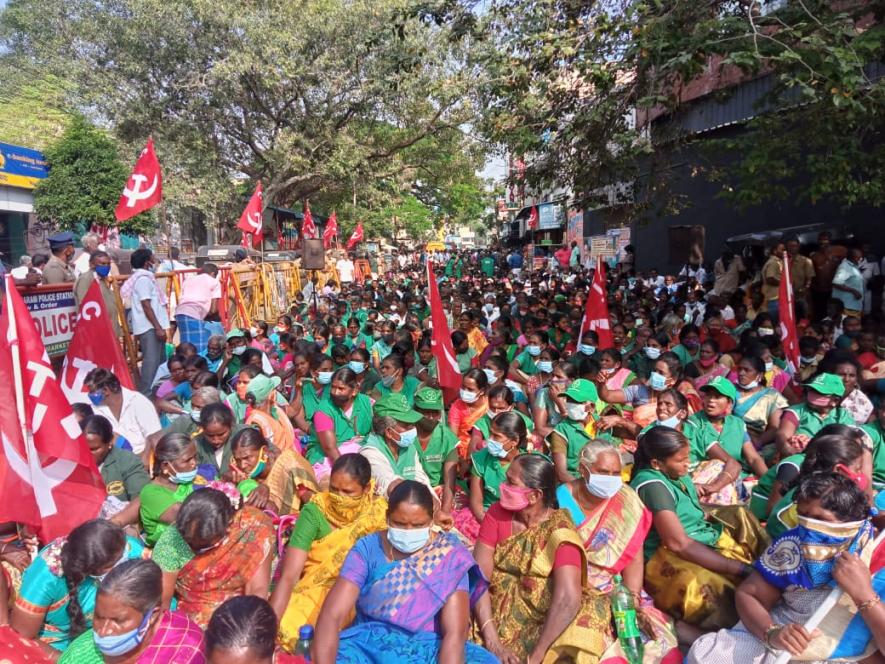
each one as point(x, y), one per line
point(115, 645)
point(184, 478)
point(97, 398)
point(408, 541)
point(671, 422)
point(587, 349)
point(534, 351)
point(544, 365)
point(324, 377)
point(652, 353)
point(407, 437)
point(490, 374)
point(357, 367)
point(604, 486)
point(657, 382)
point(102, 270)
point(388, 381)
point(495, 448)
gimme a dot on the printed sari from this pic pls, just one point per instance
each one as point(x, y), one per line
point(399, 599)
point(212, 577)
point(325, 557)
point(705, 378)
point(613, 536)
point(177, 639)
point(754, 408)
point(522, 589)
point(462, 420)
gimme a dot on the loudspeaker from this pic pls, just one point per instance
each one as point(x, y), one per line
point(314, 256)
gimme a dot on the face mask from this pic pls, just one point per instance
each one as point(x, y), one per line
point(324, 377)
point(691, 343)
point(195, 414)
point(97, 398)
point(817, 399)
point(280, 328)
point(184, 478)
point(545, 366)
point(534, 351)
point(657, 382)
point(408, 541)
point(652, 353)
point(752, 385)
point(817, 536)
point(496, 448)
point(467, 396)
point(260, 466)
point(861, 480)
point(709, 362)
point(388, 381)
point(805, 361)
point(604, 486)
point(239, 350)
point(514, 498)
point(587, 349)
point(115, 645)
point(687, 318)
point(638, 322)
point(491, 376)
point(769, 366)
point(387, 338)
point(357, 367)
point(671, 422)
point(407, 437)
point(576, 411)
point(102, 270)
point(765, 331)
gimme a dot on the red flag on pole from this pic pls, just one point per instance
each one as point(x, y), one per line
point(596, 312)
point(787, 315)
point(251, 220)
point(532, 222)
point(48, 478)
point(356, 237)
point(308, 228)
point(144, 188)
point(448, 374)
point(94, 345)
point(330, 231)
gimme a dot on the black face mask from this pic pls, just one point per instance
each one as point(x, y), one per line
point(387, 338)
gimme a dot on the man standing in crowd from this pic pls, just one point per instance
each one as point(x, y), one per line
point(200, 294)
point(149, 318)
point(58, 269)
point(99, 268)
point(345, 269)
point(825, 260)
point(801, 273)
point(848, 283)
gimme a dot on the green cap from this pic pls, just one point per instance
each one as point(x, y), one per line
point(582, 391)
point(261, 386)
point(235, 333)
point(559, 297)
point(827, 383)
point(428, 398)
point(394, 405)
point(722, 385)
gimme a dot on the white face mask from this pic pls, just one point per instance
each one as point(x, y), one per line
point(576, 411)
point(239, 350)
point(604, 486)
point(467, 396)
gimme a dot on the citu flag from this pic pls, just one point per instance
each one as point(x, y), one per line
point(251, 221)
point(94, 345)
point(308, 228)
point(787, 316)
point(144, 189)
point(330, 231)
point(596, 310)
point(532, 222)
point(448, 373)
point(356, 237)
point(48, 477)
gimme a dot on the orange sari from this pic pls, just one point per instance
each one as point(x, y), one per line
point(277, 430)
point(462, 421)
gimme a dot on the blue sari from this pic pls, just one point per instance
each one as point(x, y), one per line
point(397, 610)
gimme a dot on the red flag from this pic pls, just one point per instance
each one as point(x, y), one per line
point(448, 374)
point(330, 231)
point(244, 240)
point(356, 237)
point(596, 311)
point(251, 221)
point(48, 478)
point(532, 222)
point(787, 315)
point(144, 188)
point(308, 228)
point(94, 345)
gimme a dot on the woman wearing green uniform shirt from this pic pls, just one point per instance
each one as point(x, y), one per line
point(425, 367)
point(820, 408)
point(501, 400)
point(693, 561)
point(437, 446)
point(464, 354)
point(876, 431)
point(689, 345)
point(570, 435)
point(360, 364)
point(382, 346)
point(394, 379)
point(355, 337)
point(311, 390)
point(339, 422)
point(524, 364)
point(175, 469)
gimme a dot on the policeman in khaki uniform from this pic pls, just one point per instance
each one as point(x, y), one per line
point(59, 269)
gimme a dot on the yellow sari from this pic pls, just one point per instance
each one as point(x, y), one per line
point(522, 587)
point(326, 556)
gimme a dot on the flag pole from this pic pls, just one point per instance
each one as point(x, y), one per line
point(12, 339)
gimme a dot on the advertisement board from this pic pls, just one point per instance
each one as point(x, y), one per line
point(21, 167)
point(55, 313)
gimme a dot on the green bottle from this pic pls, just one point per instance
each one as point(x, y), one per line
point(624, 613)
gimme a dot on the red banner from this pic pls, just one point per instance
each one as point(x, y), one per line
point(532, 222)
point(308, 228)
point(251, 221)
point(787, 315)
point(330, 231)
point(448, 374)
point(145, 186)
point(596, 312)
point(48, 478)
point(356, 237)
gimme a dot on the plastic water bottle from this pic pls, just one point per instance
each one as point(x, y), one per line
point(305, 639)
point(624, 613)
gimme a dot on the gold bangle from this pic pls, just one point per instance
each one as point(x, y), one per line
point(869, 604)
point(483, 626)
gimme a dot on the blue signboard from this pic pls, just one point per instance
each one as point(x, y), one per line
point(548, 217)
point(21, 167)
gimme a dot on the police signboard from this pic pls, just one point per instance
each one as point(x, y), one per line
point(21, 167)
point(55, 313)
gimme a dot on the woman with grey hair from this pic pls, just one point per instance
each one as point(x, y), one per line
point(129, 623)
point(613, 522)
